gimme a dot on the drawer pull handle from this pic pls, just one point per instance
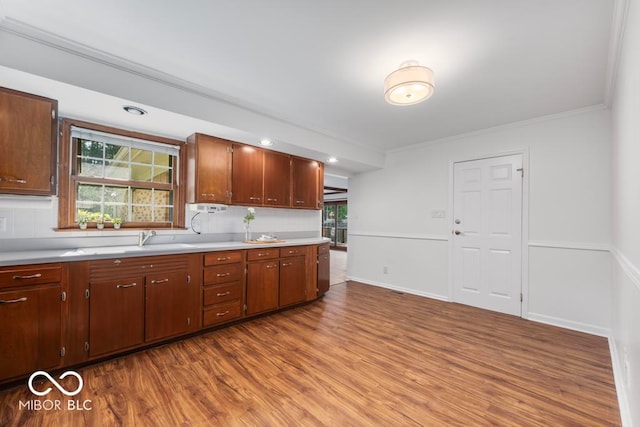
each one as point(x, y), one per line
point(223, 294)
point(130, 285)
point(271, 266)
point(13, 180)
point(286, 264)
point(263, 254)
point(223, 274)
point(13, 301)
point(222, 314)
point(223, 258)
point(270, 199)
point(32, 276)
point(157, 282)
point(254, 198)
point(299, 202)
point(293, 252)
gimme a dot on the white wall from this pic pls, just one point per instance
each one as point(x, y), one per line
point(569, 215)
point(626, 220)
point(26, 218)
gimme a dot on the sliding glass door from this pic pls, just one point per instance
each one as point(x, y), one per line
point(334, 223)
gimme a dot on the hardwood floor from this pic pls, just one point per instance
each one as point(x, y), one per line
point(361, 356)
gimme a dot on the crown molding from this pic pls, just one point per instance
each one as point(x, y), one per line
point(618, 23)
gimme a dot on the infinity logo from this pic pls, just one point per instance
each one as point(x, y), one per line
point(55, 383)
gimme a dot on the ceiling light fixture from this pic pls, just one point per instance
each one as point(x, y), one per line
point(409, 84)
point(332, 160)
point(266, 142)
point(136, 111)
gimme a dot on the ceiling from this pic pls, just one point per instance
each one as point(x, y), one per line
point(309, 75)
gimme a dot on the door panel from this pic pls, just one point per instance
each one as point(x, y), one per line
point(166, 305)
point(487, 239)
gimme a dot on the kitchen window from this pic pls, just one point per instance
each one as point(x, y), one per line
point(118, 174)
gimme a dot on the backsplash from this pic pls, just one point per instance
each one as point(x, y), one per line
point(36, 218)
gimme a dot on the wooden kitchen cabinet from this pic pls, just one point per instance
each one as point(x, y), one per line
point(138, 300)
point(263, 280)
point(324, 269)
point(208, 169)
point(31, 308)
point(247, 175)
point(28, 135)
point(116, 319)
point(305, 183)
point(277, 179)
point(292, 281)
point(166, 308)
point(223, 287)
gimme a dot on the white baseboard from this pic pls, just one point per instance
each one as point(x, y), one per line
point(618, 379)
point(400, 289)
point(569, 324)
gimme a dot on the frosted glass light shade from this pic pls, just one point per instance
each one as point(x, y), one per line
point(408, 85)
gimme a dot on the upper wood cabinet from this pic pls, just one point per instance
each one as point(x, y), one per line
point(208, 169)
point(305, 183)
point(221, 171)
point(28, 135)
point(277, 179)
point(247, 175)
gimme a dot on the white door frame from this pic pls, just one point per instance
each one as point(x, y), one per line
point(525, 220)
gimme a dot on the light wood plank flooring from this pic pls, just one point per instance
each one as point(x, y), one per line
point(361, 356)
point(338, 267)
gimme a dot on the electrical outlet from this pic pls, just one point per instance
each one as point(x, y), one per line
point(385, 270)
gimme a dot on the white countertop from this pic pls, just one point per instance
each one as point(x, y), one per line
point(103, 252)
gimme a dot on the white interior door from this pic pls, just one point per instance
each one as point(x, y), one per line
point(487, 233)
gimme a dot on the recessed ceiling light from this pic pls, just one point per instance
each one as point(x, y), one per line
point(332, 160)
point(266, 142)
point(136, 111)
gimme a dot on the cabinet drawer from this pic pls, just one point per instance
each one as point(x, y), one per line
point(30, 275)
point(222, 293)
point(216, 258)
point(293, 251)
point(323, 249)
point(260, 254)
point(222, 274)
point(221, 313)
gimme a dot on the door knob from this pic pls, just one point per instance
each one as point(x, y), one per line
point(457, 232)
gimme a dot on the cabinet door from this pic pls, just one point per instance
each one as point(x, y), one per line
point(277, 179)
point(247, 172)
point(320, 187)
point(209, 170)
point(292, 281)
point(262, 286)
point(166, 305)
point(28, 128)
point(31, 325)
point(116, 315)
point(304, 183)
point(324, 269)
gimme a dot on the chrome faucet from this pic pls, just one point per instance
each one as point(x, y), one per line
point(143, 236)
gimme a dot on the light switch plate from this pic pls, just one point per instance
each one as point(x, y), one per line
point(438, 214)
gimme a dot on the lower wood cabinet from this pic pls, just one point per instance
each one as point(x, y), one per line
point(116, 319)
point(292, 281)
point(166, 305)
point(263, 281)
point(133, 301)
point(31, 309)
point(63, 314)
point(324, 265)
